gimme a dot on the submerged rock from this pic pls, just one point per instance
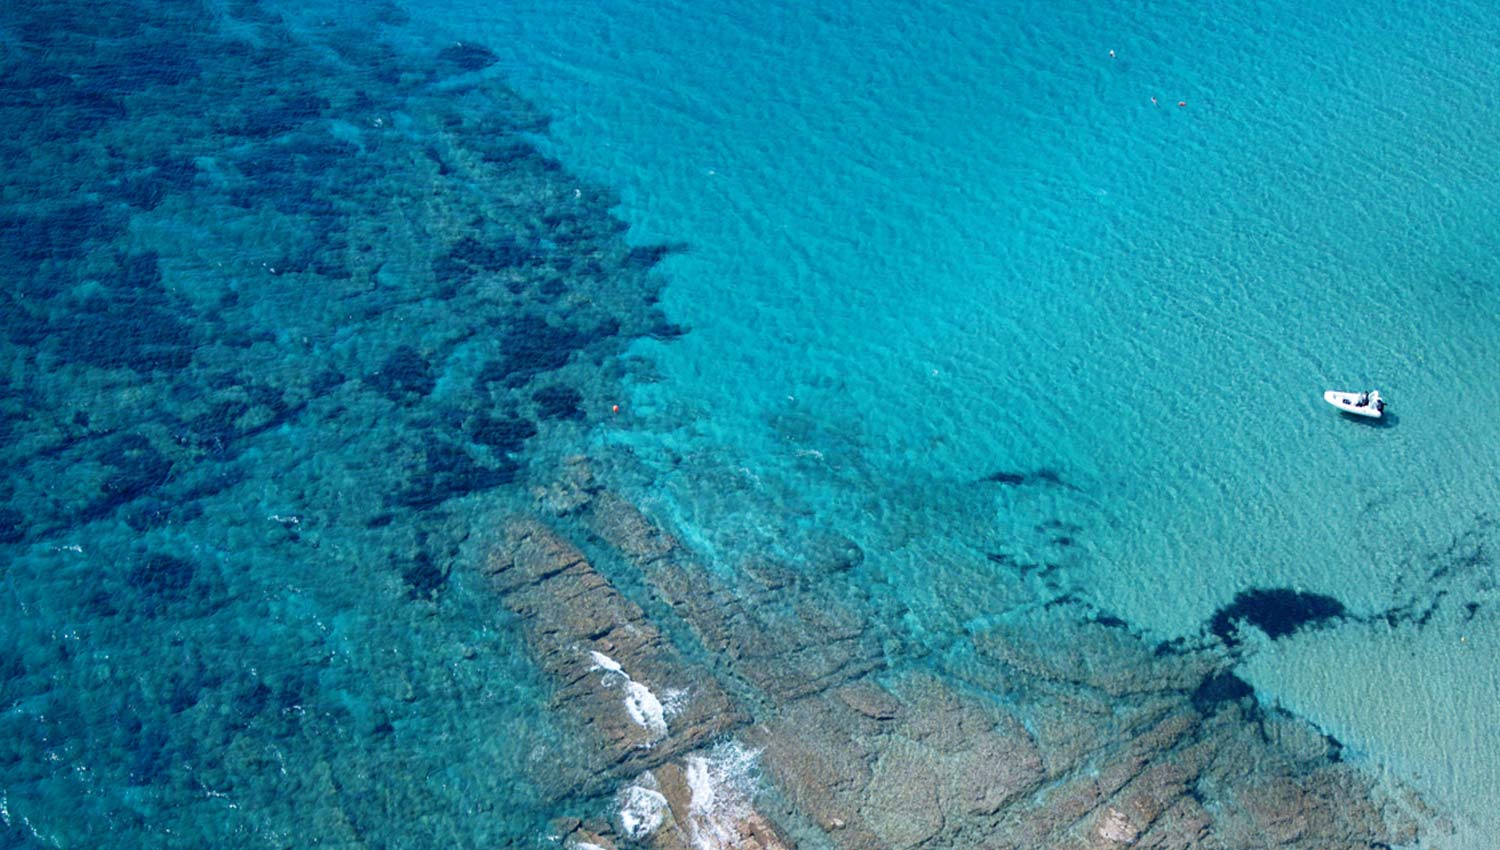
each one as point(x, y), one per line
point(1094, 739)
point(613, 666)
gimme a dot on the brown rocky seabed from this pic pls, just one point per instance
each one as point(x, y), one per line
point(1081, 735)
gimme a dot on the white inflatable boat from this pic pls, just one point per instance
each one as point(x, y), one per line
point(1360, 404)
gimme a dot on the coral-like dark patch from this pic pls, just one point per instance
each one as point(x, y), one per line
point(558, 402)
point(1007, 478)
point(1278, 612)
point(404, 377)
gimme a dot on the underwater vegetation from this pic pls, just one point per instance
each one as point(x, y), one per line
point(284, 293)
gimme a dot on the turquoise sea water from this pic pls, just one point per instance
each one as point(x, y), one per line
point(954, 287)
point(932, 241)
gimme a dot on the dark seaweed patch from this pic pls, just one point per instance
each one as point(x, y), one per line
point(164, 577)
point(404, 377)
point(137, 468)
point(147, 514)
point(467, 57)
point(182, 693)
point(146, 189)
point(228, 420)
point(1278, 612)
point(60, 235)
point(531, 347)
point(150, 756)
point(493, 254)
point(447, 472)
point(1335, 749)
point(424, 577)
point(248, 702)
point(1220, 688)
point(558, 402)
point(133, 325)
point(1015, 479)
point(326, 382)
point(507, 434)
point(84, 110)
point(1110, 621)
point(12, 526)
point(469, 256)
point(292, 112)
point(664, 330)
point(645, 256)
point(509, 152)
point(142, 65)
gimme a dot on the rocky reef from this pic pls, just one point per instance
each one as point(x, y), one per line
point(1063, 732)
point(644, 702)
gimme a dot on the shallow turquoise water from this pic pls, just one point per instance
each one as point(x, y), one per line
point(932, 242)
point(957, 289)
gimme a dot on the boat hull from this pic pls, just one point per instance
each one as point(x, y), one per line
point(1349, 403)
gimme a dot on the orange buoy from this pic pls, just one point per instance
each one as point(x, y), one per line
point(615, 409)
point(1182, 103)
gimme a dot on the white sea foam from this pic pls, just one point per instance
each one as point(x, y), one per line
point(584, 845)
point(640, 703)
point(641, 811)
point(673, 701)
point(645, 709)
point(604, 662)
point(722, 783)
